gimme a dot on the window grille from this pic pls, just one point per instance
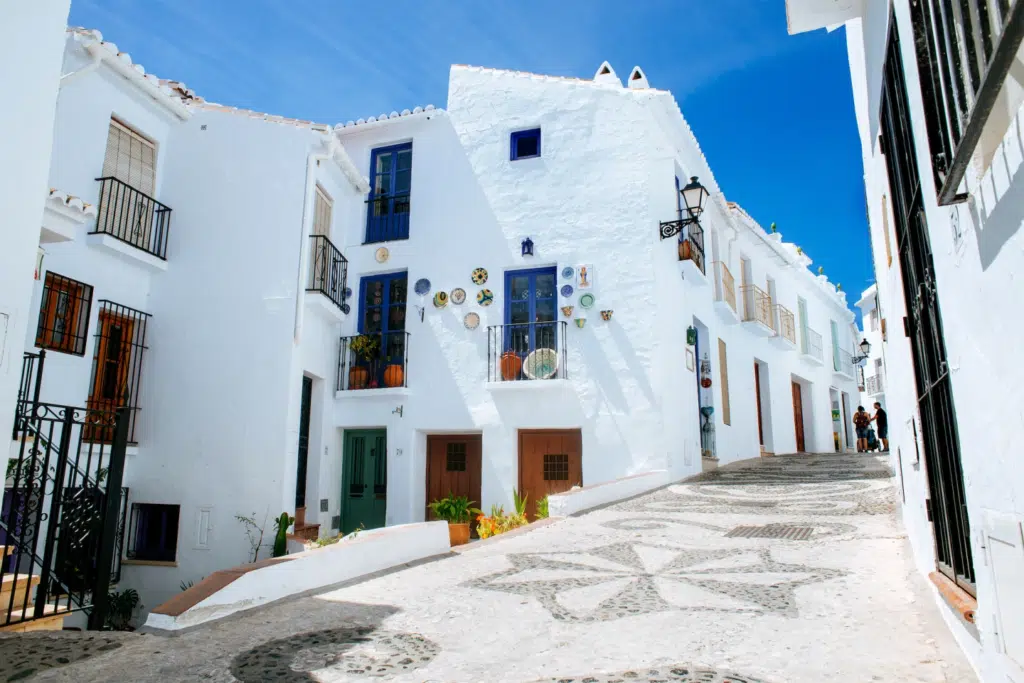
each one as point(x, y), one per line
point(556, 467)
point(64, 315)
point(456, 457)
point(117, 366)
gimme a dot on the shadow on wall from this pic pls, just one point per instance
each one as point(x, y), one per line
point(995, 229)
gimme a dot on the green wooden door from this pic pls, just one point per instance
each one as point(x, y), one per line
point(364, 485)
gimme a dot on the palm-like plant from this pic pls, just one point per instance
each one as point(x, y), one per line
point(454, 509)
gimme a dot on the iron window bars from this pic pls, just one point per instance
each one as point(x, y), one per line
point(373, 361)
point(328, 269)
point(64, 315)
point(965, 49)
point(117, 365)
point(516, 351)
point(133, 217)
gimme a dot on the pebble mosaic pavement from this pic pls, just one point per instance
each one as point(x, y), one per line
point(650, 589)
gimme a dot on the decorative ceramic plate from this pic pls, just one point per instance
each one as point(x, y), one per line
point(458, 295)
point(566, 291)
point(606, 315)
point(471, 321)
point(479, 276)
point(580, 322)
point(485, 297)
point(347, 294)
point(382, 254)
point(345, 308)
point(587, 300)
point(567, 311)
point(567, 273)
point(422, 286)
point(541, 364)
point(440, 299)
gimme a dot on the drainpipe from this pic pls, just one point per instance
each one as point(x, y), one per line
point(307, 229)
point(94, 62)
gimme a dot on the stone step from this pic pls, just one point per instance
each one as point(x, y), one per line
point(19, 587)
point(22, 621)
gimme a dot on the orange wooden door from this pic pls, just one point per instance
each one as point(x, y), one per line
point(111, 379)
point(550, 461)
point(798, 417)
point(757, 394)
point(453, 466)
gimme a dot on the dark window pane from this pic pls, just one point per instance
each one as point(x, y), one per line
point(546, 286)
point(520, 288)
point(545, 311)
point(519, 312)
point(526, 146)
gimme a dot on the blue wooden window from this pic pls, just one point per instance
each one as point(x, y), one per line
point(382, 314)
point(525, 144)
point(387, 212)
point(531, 303)
point(679, 204)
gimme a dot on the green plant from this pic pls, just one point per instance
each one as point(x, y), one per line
point(120, 608)
point(185, 585)
point(774, 229)
point(281, 524)
point(454, 509)
point(520, 503)
point(799, 250)
point(821, 270)
point(365, 346)
point(542, 508)
point(254, 532)
point(839, 287)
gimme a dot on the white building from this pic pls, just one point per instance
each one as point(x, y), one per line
point(938, 94)
point(873, 368)
point(261, 248)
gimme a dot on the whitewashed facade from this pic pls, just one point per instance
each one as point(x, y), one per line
point(247, 362)
point(946, 228)
point(873, 368)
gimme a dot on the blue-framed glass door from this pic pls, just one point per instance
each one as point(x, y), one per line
point(382, 300)
point(531, 314)
point(387, 213)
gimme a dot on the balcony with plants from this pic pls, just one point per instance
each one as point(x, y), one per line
point(374, 361)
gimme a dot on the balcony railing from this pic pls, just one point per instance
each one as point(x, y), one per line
point(757, 306)
point(843, 362)
point(812, 346)
point(373, 361)
point(387, 218)
point(787, 324)
point(691, 240)
point(527, 351)
point(727, 285)
point(874, 385)
point(133, 217)
point(328, 269)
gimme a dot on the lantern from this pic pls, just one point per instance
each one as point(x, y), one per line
point(691, 336)
point(527, 247)
point(695, 196)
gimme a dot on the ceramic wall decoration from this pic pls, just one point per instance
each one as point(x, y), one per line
point(345, 308)
point(568, 272)
point(606, 315)
point(458, 296)
point(422, 286)
point(479, 276)
point(485, 297)
point(440, 299)
point(585, 277)
point(541, 364)
point(347, 293)
point(471, 321)
point(580, 322)
point(567, 291)
point(567, 311)
point(382, 254)
point(587, 300)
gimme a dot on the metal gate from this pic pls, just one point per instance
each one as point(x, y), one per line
point(59, 527)
point(947, 507)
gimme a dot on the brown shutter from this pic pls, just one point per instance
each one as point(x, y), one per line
point(723, 366)
point(130, 158)
point(322, 213)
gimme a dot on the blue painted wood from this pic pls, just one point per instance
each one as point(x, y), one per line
point(526, 136)
point(387, 206)
point(524, 339)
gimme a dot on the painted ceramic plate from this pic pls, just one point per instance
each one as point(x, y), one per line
point(568, 272)
point(567, 311)
point(345, 308)
point(382, 254)
point(541, 364)
point(347, 293)
point(587, 300)
point(422, 286)
point(440, 299)
point(485, 297)
point(479, 276)
point(471, 321)
point(566, 291)
point(458, 295)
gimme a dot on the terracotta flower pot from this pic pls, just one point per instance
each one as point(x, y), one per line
point(358, 378)
point(458, 534)
point(511, 364)
point(393, 376)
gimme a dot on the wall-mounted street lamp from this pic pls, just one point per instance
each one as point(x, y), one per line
point(865, 349)
point(527, 246)
point(695, 196)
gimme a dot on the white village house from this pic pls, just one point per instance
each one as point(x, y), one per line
point(872, 380)
point(346, 322)
point(938, 93)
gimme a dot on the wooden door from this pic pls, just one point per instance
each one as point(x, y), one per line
point(111, 375)
point(364, 482)
point(550, 461)
point(798, 417)
point(454, 464)
point(757, 394)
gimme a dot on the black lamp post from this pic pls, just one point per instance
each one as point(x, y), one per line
point(695, 196)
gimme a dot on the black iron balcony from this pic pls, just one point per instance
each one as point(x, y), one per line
point(373, 361)
point(691, 240)
point(133, 217)
point(328, 270)
point(387, 218)
point(527, 351)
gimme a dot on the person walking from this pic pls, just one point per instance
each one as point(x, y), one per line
point(881, 421)
point(861, 421)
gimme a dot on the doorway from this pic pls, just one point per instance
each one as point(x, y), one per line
point(757, 395)
point(364, 485)
point(550, 461)
point(454, 464)
point(762, 394)
point(798, 418)
point(303, 450)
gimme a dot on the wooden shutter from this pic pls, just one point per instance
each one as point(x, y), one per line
point(130, 158)
point(723, 368)
point(885, 231)
point(322, 213)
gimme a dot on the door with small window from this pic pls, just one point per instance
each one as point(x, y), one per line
point(531, 311)
point(550, 461)
point(387, 215)
point(453, 466)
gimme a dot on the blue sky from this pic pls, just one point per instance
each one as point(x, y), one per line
point(773, 112)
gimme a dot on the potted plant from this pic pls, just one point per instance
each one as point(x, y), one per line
point(457, 511)
point(365, 347)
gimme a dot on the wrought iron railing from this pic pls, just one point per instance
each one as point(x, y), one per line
point(787, 323)
point(328, 269)
point(29, 386)
point(757, 306)
point(373, 361)
point(691, 240)
point(133, 217)
point(965, 49)
point(811, 345)
point(727, 285)
point(527, 351)
point(874, 385)
point(387, 218)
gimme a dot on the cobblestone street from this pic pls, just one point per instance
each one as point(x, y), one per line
point(787, 569)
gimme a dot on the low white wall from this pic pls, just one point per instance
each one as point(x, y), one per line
point(369, 552)
point(571, 502)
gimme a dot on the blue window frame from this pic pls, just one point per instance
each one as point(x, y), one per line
point(679, 204)
point(525, 144)
point(382, 314)
point(531, 303)
point(387, 208)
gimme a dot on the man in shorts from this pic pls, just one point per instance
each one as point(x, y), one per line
point(881, 420)
point(861, 421)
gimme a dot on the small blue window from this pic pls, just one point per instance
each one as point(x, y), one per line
point(525, 144)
